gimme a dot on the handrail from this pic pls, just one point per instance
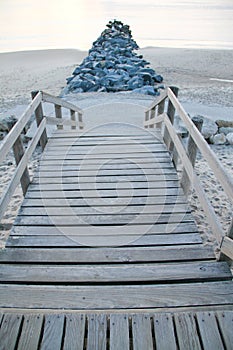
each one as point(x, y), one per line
point(156, 114)
point(13, 139)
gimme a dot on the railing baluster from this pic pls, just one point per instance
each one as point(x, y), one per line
point(39, 116)
point(58, 113)
point(18, 150)
point(72, 117)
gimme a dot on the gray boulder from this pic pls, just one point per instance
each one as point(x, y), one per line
point(218, 139)
point(225, 130)
point(7, 123)
point(224, 123)
point(229, 138)
point(209, 127)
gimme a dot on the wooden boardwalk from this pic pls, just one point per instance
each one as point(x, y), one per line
point(105, 254)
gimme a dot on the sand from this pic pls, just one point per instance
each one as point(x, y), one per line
point(205, 79)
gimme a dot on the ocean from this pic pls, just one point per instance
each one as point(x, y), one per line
point(32, 25)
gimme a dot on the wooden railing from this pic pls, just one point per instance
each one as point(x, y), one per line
point(157, 116)
point(14, 141)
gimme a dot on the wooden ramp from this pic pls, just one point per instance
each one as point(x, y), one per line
point(105, 254)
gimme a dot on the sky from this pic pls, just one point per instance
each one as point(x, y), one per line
point(26, 24)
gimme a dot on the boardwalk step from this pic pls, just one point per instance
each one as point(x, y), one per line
point(108, 274)
point(117, 297)
point(107, 255)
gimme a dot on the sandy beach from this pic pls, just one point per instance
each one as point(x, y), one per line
point(205, 79)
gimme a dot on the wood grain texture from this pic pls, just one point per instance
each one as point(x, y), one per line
point(30, 333)
point(164, 332)
point(209, 332)
point(117, 297)
point(74, 337)
point(9, 331)
point(53, 332)
point(119, 332)
point(141, 324)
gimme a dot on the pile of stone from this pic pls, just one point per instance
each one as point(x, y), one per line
point(219, 132)
point(112, 65)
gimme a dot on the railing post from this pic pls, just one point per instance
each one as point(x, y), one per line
point(72, 117)
point(152, 115)
point(147, 116)
point(58, 114)
point(160, 111)
point(80, 120)
point(171, 115)
point(39, 116)
point(192, 154)
point(18, 150)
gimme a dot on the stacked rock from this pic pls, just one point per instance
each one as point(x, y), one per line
point(112, 66)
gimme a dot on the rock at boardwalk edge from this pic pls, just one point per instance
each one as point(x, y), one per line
point(209, 127)
point(112, 65)
point(229, 138)
point(6, 124)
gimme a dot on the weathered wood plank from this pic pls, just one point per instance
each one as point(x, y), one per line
point(142, 332)
point(101, 255)
point(30, 334)
point(225, 319)
point(119, 332)
point(182, 272)
point(97, 332)
point(130, 209)
point(103, 219)
point(74, 332)
point(81, 184)
point(96, 178)
point(74, 241)
point(209, 332)
point(116, 297)
point(96, 203)
point(187, 332)
point(105, 193)
point(53, 331)
point(122, 201)
point(9, 331)
point(120, 168)
point(164, 332)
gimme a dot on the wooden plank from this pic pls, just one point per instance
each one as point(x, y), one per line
point(225, 320)
point(123, 201)
point(119, 332)
point(30, 334)
point(114, 297)
point(142, 332)
point(97, 332)
point(9, 331)
point(129, 230)
point(164, 331)
point(103, 219)
point(130, 209)
point(107, 149)
point(105, 193)
point(209, 332)
point(101, 255)
point(157, 157)
point(224, 178)
point(150, 272)
point(74, 241)
point(186, 331)
point(81, 184)
point(108, 166)
point(120, 168)
point(13, 134)
point(106, 179)
point(53, 331)
point(74, 332)
point(107, 171)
